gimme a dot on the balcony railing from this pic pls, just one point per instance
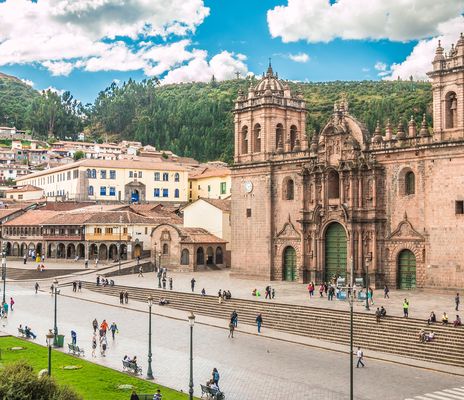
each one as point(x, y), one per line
point(107, 237)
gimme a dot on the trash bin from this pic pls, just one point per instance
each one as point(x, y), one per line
point(59, 341)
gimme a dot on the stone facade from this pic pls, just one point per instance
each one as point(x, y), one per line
point(391, 202)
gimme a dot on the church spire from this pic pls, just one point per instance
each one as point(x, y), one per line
point(270, 72)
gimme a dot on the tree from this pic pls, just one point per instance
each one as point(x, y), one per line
point(18, 381)
point(78, 155)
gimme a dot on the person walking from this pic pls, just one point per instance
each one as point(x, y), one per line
point(321, 290)
point(126, 297)
point(268, 292)
point(273, 293)
point(377, 315)
point(138, 260)
point(360, 356)
point(215, 375)
point(140, 275)
point(94, 345)
point(113, 329)
point(164, 282)
point(170, 283)
point(234, 318)
point(11, 303)
point(192, 284)
point(259, 322)
point(457, 300)
point(121, 297)
point(73, 337)
point(79, 286)
point(95, 325)
point(405, 308)
point(104, 327)
point(386, 292)
point(96, 263)
point(231, 329)
point(103, 345)
point(25, 259)
point(36, 287)
point(74, 286)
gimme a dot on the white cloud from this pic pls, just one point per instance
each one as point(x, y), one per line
point(300, 57)
point(27, 82)
point(323, 21)
point(59, 68)
point(418, 63)
point(54, 90)
point(223, 66)
point(380, 66)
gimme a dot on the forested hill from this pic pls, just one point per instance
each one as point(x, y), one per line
point(195, 119)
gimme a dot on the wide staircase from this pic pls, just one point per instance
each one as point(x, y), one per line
point(395, 335)
point(23, 274)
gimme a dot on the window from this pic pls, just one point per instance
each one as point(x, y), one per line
point(451, 108)
point(124, 230)
point(131, 174)
point(165, 177)
point(288, 189)
point(157, 176)
point(69, 175)
point(223, 187)
point(103, 174)
point(97, 231)
point(156, 192)
point(293, 137)
point(248, 212)
point(102, 190)
point(279, 135)
point(333, 189)
point(257, 138)
point(165, 248)
point(112, 174)
point(94, 173)
point(90, 190)
point(146, 230)
point(245, 140)
point(184, 258)
point(109, 231)
point(20, 196)
point(75, 174)
point(409, 183)
point(176, 193)
point(112, 191)
point(176, 177)
point(140, 174)
point(165, 192)
point(459, 207)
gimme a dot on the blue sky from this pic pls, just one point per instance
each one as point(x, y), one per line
point(84, 46)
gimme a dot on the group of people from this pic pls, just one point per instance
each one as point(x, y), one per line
point(156, 396)
point(33, 256)
point(104, 282)
point(426, 337)
point(163, 278)
point(224, 295)
point(5, 307)
point(28, 332)
point(380, 313)
point(77, 286)
point(444, 319)
point(132, 360)
point(325, 288)
point(123, 297)
point(40, 268)
point(102, 329)
point(213, 383)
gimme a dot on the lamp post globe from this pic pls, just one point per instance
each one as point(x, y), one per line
point(50, 336)
point(367, 283)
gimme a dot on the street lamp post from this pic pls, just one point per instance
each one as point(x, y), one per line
point(4, 275)
point(149, 370)
point(191, 318)
point(55, 325)
point(119, 249)
point(367, 283)
point(159, 269)
point(156, 269)
point(351, 300)
point(49, 337)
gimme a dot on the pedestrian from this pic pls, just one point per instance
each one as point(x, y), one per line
point(321, 290)
point(259, 322)
point(36, 286)
point(234, 318)
point(138, 260)
point(203, 292)
point(457, 300)
point(121, 297)
point(311, 289)
point(377, 315)
point(126, 297)
point(114, 329)
point(140, 272)
point(104, 327)
point(360, 356)
point(74, 285)
point(73, 337)
point(231, 329)
point(25, 258)
point(405, 308)
point(86, 263)
point(268, 292)
point(98, 280)
point(103, 346)
point(216, 377)
point(43, 258)
point(164, 282)
point(94, 344)
point(96, 263)
point(158, 395)
point(79, 286)
point(5, 308)
point(11, 303)
point(134, 396)
point(386, 290)
point(95, 325)
point(192, 284)
point(170, 283)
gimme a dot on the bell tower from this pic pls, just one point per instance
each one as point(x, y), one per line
point(269, 119)
point(448, 92)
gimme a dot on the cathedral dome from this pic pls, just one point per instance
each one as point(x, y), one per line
point(271, 83)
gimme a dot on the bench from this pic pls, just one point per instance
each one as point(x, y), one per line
point(131, 367)
point(21, 332)
point(74, 349)
point(211, 393)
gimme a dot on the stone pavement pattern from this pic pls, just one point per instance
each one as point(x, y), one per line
point(251, 367)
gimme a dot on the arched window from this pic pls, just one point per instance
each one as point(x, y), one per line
point(165, 176)
point(89, 173)
point(279, 134)
point(94, 173)
point(409, 183)
point(165, 248)
point(184, 257)
point(219, 256)
point(288, 189)
point(90, 190)
point(257, 138)
point(176, 177)
point(157, 176)
point(451, 110)
point(176, 193)
point(245, 140)
point(293, 137)
point(333, 185)
point(200, 256)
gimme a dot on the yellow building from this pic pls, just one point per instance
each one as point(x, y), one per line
point(113, 180)
point(210, 182)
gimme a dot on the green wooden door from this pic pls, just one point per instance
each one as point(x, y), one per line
point(335, 251)
point(406, 270)
point(290, 264)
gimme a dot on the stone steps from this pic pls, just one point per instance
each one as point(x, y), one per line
point(393, 335)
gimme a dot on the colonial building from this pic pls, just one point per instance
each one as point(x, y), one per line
point(391, 202)
point(211, 181)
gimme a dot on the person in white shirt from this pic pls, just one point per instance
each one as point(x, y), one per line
point(360, 356)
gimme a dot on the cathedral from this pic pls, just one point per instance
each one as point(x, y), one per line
point(388, 202)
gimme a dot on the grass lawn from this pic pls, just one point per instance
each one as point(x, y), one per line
point(92, 381)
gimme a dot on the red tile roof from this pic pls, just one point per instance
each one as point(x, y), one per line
point(199, 235)
point(32, 218)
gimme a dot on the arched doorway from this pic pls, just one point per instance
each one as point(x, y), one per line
point(406, 269)
point(15, 249)
point(8, 249)
point(200, 256)
point(123, 251)
point(335, 251)
point(23, 249)
point(209, 256)
point(113, 252)
point(219, 256)
point(289, 264)
point(135, 196)
point(81, 250)
point(93, 251)
point(103, 252)
point(71, 251)
point(38, 249)
point(61, 251)
point(51, 250)
point(138, 251)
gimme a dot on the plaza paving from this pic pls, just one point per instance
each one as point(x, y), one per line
point(251, 367)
